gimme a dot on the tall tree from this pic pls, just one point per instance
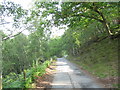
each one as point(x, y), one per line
point(74, 11)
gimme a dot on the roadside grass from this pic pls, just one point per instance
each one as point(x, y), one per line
point(101, 70)
point(100, 58)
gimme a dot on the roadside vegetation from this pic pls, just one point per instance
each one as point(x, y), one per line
point(100, 62)
point(90, 39)
point(26, 79)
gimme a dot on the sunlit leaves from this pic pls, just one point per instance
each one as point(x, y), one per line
point(11, 9)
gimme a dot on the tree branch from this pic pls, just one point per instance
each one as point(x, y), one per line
point(90, 17)
point(11, 36)
point(4, 23)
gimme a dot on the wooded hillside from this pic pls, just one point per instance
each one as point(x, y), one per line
point(91, 38)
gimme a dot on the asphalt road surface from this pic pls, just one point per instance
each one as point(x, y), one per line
point(70, 76)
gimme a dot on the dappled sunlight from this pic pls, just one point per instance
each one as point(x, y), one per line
point(60, 84)
point(37, 34)
point(69, 76)
point(62, 63)
point(63, 66)
point(64, 69)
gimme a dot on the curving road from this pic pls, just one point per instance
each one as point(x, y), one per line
point(68, 75)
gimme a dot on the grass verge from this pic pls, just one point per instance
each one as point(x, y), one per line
point(101, 60)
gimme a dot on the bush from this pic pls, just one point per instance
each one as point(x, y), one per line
point(14, 80)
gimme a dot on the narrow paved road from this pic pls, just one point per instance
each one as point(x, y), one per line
point(68, 75)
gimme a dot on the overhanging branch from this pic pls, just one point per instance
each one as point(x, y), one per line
point(90, 17)
point(4, 23)
point(5, 38)
point(10, 36)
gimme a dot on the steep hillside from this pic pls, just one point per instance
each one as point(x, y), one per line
point(100, 59)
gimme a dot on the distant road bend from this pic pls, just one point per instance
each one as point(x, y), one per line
point(68, 75)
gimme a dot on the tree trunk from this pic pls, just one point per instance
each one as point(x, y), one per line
point(103, 21)
point(109, 32)
point(73, 51)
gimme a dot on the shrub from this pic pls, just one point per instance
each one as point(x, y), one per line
point(14, 80)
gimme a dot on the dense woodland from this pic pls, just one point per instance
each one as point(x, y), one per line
point(88, 23)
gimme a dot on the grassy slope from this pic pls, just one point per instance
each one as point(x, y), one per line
point(100, 58)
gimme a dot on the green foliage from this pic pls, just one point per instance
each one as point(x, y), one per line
point(55, 49)
point(87, 22)
point(101, 58)
point(14, 80)
point(21, 51)
point(27, 54)
point(11, 10)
